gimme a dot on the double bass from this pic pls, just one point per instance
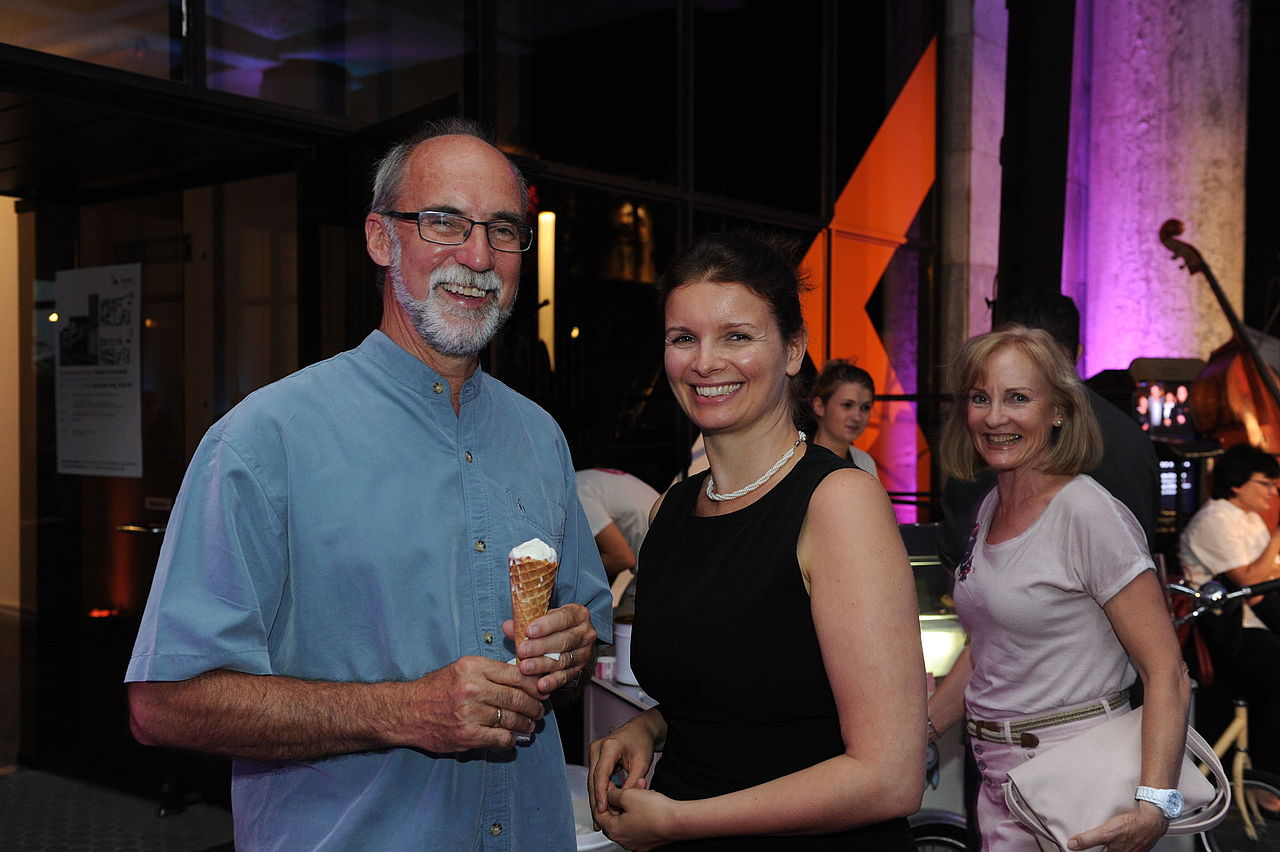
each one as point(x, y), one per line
point(1236, 397)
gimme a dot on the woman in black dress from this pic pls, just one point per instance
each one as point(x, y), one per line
point(776, 620)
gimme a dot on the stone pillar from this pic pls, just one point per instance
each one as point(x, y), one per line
point(972, 124)
point(1158, 133)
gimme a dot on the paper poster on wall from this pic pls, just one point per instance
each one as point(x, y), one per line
point(99, 409)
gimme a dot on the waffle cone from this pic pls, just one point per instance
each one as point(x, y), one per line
point(531, 583)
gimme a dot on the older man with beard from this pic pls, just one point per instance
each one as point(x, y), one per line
point(332, 595)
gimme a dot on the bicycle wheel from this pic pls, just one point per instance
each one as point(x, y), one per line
point(938, 837)
point(1263, 789)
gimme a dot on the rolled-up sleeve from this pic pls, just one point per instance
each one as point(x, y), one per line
point(220, 570)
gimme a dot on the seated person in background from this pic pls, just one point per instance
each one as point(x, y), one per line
point(617, 506)
point(1228, 539)
point(841, 400)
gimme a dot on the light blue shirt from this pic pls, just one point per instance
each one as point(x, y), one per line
point(343, 524)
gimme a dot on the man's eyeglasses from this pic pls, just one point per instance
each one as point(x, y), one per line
point(1265, 483)
point(450, 229)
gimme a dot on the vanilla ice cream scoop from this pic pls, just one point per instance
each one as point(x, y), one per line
point(534, 548)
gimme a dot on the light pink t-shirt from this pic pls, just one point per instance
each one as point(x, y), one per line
point(1032, 605)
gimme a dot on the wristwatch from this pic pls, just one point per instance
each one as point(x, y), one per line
point(1169, 801)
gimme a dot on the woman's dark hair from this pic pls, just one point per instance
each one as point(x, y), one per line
point(766, 264)
point(837, 372)
point(1237, 465)
point(763, 263)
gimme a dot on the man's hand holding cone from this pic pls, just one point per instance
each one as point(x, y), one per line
point(555, 644)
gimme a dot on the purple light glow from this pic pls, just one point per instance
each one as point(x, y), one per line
point(1157, 132)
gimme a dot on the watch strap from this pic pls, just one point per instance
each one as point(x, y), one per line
point(1168, 801)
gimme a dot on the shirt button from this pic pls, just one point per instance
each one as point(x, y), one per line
point(982, 764)
point(977, 749)
point(468, 456)
point(438, 387)
point(480, 546)
point(495, 829)
point(488, 638)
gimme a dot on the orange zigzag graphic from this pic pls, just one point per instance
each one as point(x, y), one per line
point(849, 256)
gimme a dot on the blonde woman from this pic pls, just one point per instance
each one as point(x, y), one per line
point(1056, 591)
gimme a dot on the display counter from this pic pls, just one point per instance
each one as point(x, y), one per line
point(606, 705)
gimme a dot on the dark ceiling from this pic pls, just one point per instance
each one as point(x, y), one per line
point(85, 109)
point(76, 133)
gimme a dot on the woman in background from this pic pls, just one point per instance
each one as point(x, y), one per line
point(841, 401)
point(776, 619)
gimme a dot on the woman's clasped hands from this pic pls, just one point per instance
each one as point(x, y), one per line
point(630, 815)
point(637, 818)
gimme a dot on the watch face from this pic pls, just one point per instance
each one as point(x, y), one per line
point(1175, 801)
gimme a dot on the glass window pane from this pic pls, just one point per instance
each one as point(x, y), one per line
point(131, 36)
point(607, 391)
point(258, 238)
point(363, 61)
point(757, 102)
point(792, 239)
point(590, 84)
point(879, 47)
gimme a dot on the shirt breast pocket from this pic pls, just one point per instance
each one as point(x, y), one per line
point(534, 516)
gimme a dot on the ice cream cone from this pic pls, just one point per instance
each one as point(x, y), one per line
point(532, 581)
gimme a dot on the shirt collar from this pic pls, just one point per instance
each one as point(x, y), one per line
point(1229, 507)
point(412, 373)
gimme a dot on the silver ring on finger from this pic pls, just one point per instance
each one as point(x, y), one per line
point(572, 660)
point(497, 723)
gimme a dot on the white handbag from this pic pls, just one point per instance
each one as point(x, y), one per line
point(1082, 783)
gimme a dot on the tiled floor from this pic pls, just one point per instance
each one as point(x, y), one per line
point(42, 811)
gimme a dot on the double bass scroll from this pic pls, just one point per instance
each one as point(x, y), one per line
point(1236, 398)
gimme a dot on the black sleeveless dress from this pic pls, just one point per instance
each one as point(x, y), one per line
point(723, 639)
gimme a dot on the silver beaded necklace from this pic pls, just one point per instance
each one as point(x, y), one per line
point(733, 495)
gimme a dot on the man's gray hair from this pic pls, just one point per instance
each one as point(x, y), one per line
point(389, 172)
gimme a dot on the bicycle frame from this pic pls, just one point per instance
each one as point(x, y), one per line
point(1237, 733)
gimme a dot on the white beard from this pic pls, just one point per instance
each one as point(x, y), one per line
point(448, 329)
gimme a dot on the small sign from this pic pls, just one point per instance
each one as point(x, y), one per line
point(99, 409)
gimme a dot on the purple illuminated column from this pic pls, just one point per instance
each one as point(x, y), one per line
point(1158, 132)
